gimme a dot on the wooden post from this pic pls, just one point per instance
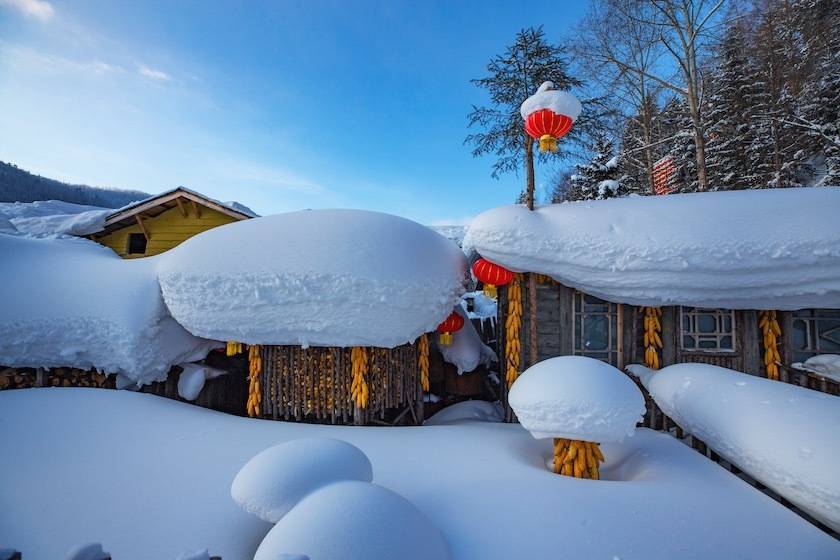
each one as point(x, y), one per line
point(532, 279)
point(181, 207)
point(197, 209)
point(142, 227)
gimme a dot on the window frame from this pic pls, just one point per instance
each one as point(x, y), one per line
point(614, 350)
point(693, 314)
point(812, 319)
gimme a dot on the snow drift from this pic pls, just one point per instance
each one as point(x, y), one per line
point(782, 435)
point(52, 217)
point(270, 484)
point(467, 351)
point(316, 277)
point(71, 302)
point(756, 249)
point(352, 520)
point(576, 397)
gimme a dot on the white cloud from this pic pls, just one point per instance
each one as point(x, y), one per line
point(38, 9)
point(153, 74)
point(28, 59)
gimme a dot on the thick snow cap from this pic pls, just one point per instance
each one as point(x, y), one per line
point(73, 303)
point(576, 397)
point(316, 277)
point(783, 435)
point(560, 102)
point(354, 520)
point(270, 484)
point(755, 249)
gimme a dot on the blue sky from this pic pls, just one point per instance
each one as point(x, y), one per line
point(279, 105)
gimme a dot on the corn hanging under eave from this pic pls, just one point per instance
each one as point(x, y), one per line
point(233, 348)
point(580, 459)
point(770, 331)
point(513, 325)
point(255, 381)
point(423, 361)
point(652, 340)
point(359, 389)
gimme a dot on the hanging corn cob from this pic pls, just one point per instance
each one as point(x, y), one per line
point(770, 330)
point(233, 348)
point(423, 361)
point(513, 324)
point(255, 383)
point(577, 458)
point(359, 390)
point(652, 339)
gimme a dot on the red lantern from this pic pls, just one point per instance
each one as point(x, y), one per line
point(547, 126)
point(491, 275)
point(549, 115)
point(451, 324)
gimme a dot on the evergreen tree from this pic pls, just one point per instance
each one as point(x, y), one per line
point(598, 179)
point(675, 124)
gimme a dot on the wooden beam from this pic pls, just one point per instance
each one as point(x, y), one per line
point(142, 227)
point(181, 207)
point(197, 209)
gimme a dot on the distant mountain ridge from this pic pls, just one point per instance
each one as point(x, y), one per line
point(19, 185)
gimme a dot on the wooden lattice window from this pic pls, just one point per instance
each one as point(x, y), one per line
point(707, 330)
point(596, 328)
point(815, 331)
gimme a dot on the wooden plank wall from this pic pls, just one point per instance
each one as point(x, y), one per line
point(166, 230)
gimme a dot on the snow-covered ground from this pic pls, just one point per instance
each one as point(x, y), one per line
point(150, 478)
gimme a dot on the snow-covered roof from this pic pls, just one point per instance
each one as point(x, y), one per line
point(69, 302)
point(756, 249)
point(315, 277)
point(159, 203)
point(44, 218)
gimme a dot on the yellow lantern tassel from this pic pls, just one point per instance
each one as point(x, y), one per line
point(423, 360)
point(255, 381)
point(770, 330)
point(233, 348)
point(513, 324)
point(652, 340)
point(490, 291)
point(446, 338)
point(580, 459)
point(548, 143)
point(359, 389)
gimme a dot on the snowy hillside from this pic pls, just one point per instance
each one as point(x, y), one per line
point(18, 185)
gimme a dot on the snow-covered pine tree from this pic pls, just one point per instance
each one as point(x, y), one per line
point(817, 116)
point(633, 149)
point(598, 179)
point(728, 111)
point(675, 123)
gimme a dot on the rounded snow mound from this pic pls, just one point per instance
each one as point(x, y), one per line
point(315, 277)
point(271, 483)
point(576, 397)
point(353, 520)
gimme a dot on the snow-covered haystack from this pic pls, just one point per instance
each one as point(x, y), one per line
point(715, 249)
point(575, 399)
point(73, 303)
point(353, 520)
point(780, 434)
point(317, 277)
point(270, 484)
point(467, 351)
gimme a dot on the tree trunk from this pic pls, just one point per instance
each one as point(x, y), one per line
point(532, 279)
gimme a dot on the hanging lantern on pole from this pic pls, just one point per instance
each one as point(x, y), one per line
point(549, 115)
point(451, 324)
point(491, 275)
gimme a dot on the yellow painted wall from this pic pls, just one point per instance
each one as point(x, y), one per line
point(166, 231)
